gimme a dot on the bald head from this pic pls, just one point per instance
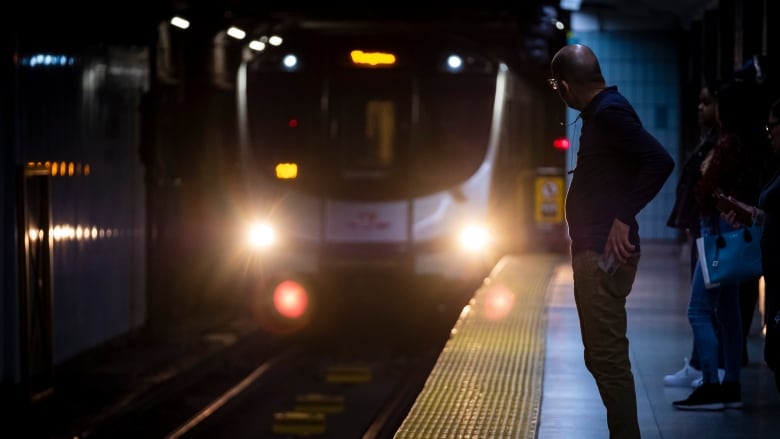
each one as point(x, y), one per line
point(578, 65)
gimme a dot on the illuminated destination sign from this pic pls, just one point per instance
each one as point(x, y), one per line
point(372, 58)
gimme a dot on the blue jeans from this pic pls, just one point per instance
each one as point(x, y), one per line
point(601, 306)
point(724, 302)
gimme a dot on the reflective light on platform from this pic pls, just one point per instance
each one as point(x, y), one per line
point(465, 311)
point(498, 302)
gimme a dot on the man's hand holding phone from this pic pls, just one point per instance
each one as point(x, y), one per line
point(608, 264)
point(618, 248)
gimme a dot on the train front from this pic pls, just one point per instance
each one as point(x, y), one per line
point(366, 160)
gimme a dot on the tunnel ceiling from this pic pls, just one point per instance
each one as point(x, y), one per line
point(68, 23)
point(683, 10)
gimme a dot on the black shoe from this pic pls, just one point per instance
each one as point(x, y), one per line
point(705, 397)
point(732, 394)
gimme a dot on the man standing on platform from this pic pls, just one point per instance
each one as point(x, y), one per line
point(620, 168)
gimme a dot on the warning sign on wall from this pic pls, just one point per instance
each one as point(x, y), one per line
point(548, 194)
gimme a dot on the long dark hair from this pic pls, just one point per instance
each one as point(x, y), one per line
point(739, 160)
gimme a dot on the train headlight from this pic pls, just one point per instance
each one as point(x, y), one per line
point(474, 238)
point(261, 236)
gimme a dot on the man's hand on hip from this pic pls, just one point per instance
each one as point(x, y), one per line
point(618, 244)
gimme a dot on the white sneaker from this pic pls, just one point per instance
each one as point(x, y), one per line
point(699, 381)
point(683, 377)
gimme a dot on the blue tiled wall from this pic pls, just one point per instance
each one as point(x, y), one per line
point(645, 67)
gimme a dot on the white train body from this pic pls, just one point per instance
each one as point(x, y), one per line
point(384, 164)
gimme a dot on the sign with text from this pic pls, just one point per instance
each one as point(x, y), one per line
point(548, 196)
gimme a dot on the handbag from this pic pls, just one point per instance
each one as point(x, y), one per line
point(731, 256)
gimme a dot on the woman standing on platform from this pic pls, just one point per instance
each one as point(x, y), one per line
point(769, 209)
point(768, 214)
point(735, 167)
point(686, 214)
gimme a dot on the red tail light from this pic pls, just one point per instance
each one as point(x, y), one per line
point(290, 299)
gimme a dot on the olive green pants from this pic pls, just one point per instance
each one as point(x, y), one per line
point(601, 306)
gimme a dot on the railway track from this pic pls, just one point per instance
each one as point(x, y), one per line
point(356, 379)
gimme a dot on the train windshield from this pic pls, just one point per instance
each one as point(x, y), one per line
point(401, 124)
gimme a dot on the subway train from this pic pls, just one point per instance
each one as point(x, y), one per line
point(389, 150)
point(381, 153)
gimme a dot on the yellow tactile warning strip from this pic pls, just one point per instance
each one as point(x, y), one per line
point(487, 381)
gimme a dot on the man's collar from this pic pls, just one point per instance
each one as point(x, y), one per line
point(593, 104)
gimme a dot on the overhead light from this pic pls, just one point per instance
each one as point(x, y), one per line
point(290, 61)
point(571, 5)
point(275, 40)
point(179, 22)
point(236, 33)
point(256, 45)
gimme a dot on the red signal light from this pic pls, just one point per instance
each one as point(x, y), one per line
point(290, 299)
point(561, 143)
point(292, 123)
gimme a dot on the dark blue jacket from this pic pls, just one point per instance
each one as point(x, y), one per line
point(620, 168)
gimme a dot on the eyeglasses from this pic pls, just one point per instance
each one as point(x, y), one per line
point(553, 83)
